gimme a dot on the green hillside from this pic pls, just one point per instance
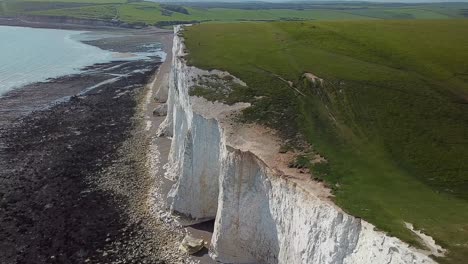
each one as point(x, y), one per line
point(391, 116)
point(152, 13)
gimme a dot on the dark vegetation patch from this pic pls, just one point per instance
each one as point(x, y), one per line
point(222, 89)
point(175, 8)
point(166, 12)
point(147, 8)
point(176, 22)
point(464, 12)
point(301, 162)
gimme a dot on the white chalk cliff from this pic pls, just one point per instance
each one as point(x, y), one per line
point(265, 212)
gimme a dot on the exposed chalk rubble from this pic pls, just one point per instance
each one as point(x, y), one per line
point(191, 245)
point(428, 241)
point(264, 211)
point(160, 110)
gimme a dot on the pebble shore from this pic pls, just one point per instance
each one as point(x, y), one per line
point(74, 171)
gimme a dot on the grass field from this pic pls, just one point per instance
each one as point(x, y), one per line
point(391, 116)
point(153, 13)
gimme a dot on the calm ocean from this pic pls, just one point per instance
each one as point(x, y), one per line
point(30, 55)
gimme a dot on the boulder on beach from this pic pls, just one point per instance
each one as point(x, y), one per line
point(191, 245)
point(160, 110)
point(160, 99)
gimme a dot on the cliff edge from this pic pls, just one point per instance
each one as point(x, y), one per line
point(264, 211)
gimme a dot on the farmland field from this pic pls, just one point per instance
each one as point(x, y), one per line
point(390, 117)
point(163, 14)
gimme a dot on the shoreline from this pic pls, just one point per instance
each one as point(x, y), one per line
point(51, 211)
point(125, 42)
point(72, 171)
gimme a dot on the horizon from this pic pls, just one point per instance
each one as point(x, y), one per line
point(312, 2)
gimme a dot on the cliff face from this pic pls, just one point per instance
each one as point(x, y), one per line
point(263, 212)
point(195, 148)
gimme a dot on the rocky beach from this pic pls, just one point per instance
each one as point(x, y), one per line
point(74, 179)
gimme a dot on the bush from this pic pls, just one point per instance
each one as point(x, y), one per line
point(175, 8)
point(175, 22)
point(166, 12)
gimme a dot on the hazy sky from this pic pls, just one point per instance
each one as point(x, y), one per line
point(292, 1)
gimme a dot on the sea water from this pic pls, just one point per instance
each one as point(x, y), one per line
point(30, 55)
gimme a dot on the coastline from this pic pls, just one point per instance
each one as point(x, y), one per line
point(119, 41)
point(73, 173)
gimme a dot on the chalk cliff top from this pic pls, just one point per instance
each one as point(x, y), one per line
point(260, 140)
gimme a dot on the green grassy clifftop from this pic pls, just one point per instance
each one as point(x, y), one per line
point(391, 115)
